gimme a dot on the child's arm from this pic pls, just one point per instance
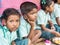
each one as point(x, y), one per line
point(58, 21)
point(55, 33)
point(51, 24)
point(31, 34)
point(44, 28)
point(34, 34)
point(48, 30)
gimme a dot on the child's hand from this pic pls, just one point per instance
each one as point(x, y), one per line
point(32, 23)
point(52, 28)
point(53, 31)
point(13, 43)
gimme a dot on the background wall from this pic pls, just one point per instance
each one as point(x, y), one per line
point(14, 4)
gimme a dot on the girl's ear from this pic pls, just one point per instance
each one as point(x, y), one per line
point(25, 16)
point(47, 8)
point(3, 21)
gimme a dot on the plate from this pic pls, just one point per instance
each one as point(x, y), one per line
point(56, 40)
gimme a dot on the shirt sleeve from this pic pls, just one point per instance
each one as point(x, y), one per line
point(49, 17)
point(40, 19)
point(57, 12)
point(22, 29)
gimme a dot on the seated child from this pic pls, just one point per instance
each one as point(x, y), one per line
point(27, 26)
point(55, 16)
point(47, 6)
point(11, 18)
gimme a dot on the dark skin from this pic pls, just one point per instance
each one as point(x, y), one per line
point(30, 18)
point(34, 34)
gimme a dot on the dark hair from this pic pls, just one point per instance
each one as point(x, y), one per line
point(55, 1)
point(26, 7)
point(9, 11)
point(45, 3)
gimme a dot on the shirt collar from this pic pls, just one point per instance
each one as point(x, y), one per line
point(6, 29)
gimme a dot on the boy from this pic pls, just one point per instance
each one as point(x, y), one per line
point(27, 26)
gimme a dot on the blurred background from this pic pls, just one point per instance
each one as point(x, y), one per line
point(14, 4)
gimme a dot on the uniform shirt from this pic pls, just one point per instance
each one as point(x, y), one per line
point(55, 13)
point(43, 18)
point(6, 35)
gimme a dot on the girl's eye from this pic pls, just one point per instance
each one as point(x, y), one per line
point(11, 21)
point(17, 20)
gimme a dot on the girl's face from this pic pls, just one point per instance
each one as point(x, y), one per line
point(58, 1)
point(12, 22)
point(51, 7)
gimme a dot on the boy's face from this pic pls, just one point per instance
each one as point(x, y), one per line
point(12, 22)
point(51, 7)
point(32, 15)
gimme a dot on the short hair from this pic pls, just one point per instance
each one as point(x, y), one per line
point(55, 1)
point(26, 7)
point(45, 3)
point(9, 11)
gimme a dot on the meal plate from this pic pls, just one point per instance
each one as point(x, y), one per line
point(56, 40)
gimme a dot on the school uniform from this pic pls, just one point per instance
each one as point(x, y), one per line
point(43, 18)
point(6, 37)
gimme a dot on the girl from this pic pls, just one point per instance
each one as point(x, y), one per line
point(47, 6)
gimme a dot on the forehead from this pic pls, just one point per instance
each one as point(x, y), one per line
point(34, 10)
point(13, 17)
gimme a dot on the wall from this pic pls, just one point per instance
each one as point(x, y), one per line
point(14, 4)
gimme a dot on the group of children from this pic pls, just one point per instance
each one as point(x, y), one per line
point(28, 28)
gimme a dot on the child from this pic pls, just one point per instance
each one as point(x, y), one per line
point(43, 19)
point(55, 16)
point(27, 26)
point(11, 18)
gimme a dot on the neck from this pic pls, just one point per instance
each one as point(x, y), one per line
point(46, 11)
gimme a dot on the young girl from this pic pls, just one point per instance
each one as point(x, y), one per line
point(47, 6)
point(11, 18)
